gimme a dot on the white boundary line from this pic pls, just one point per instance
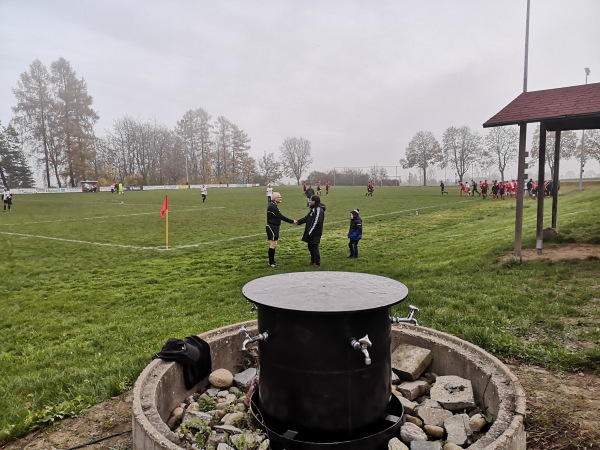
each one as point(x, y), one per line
point(177, 247)
point(104, 217)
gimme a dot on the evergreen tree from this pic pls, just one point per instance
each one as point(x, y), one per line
point(14, 170)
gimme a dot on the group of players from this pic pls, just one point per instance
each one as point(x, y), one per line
point(501, 189)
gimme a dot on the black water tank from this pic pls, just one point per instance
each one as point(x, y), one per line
point(312, 381)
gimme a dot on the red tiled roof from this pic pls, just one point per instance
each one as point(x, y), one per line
point(566, 108)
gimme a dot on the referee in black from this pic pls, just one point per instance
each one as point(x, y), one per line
point(274, 218)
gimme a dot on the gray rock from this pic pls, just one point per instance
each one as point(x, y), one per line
point(194, 406)
point(458, 429)
point(193, 419)
point(453, 393)
point(229, 429)
point(421, 445)
point(233, 418)
point(235, 390)
point(396, 444)
point(409, 361)
point(433, 416)
point(408, 406)
point(215, 439)
point(410, 432)
point(395, 378)
point(452, 446)
point(413, 389)
point(240, 407)
point(212, 392)
point(222, 394)
point(244, 379)
point(430, 404)
point(223, 446)
point(249, 440)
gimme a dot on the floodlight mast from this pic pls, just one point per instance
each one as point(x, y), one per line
point(582, 156)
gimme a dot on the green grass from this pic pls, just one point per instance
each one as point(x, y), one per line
point(89, 293)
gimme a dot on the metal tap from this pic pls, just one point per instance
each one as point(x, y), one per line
point(249, 339)
point(362, 344)
point(408, 319)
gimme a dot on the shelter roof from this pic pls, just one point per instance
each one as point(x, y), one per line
point(566, 108)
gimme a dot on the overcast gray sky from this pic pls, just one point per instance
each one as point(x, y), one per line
point(356, 78)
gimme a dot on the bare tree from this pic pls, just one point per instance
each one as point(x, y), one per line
point(501, 148)
point(461, 148)
point(591, 145)
point(423, 151)
point(247, 168)
point(295, 157)
point(269, 168)
point(377, 174)
point(222, 150)
point(568, 146)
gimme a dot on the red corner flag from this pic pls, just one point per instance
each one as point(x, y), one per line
point(165, 207)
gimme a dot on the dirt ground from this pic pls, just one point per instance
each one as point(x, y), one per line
point(563, 409)
point(570, 251)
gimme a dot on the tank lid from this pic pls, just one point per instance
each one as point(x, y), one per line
point(326, 291)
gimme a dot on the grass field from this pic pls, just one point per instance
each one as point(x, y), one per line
point(89, 293)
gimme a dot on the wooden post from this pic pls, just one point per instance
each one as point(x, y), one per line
point(555, 182)
point(540, 190)
point(520, 191)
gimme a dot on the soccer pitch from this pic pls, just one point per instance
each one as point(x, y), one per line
point(89, 292)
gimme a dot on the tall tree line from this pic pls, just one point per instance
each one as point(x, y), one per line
point(196, 151)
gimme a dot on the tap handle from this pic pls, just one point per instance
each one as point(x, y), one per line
point(365, 341)
point(243, 330)
point(413, 308)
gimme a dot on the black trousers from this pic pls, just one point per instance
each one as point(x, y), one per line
point(315, 256)
point(353, 246)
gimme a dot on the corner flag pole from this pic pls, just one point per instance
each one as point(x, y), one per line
point(164, 214)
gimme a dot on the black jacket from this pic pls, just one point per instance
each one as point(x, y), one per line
point(274, 216)
point(314, 224)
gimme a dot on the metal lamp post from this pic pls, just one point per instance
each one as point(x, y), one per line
point(582, 160)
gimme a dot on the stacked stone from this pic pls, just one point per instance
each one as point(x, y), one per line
point(217, 418)
point(439, 411)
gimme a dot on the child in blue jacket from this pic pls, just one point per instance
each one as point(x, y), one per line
point(355, 233)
